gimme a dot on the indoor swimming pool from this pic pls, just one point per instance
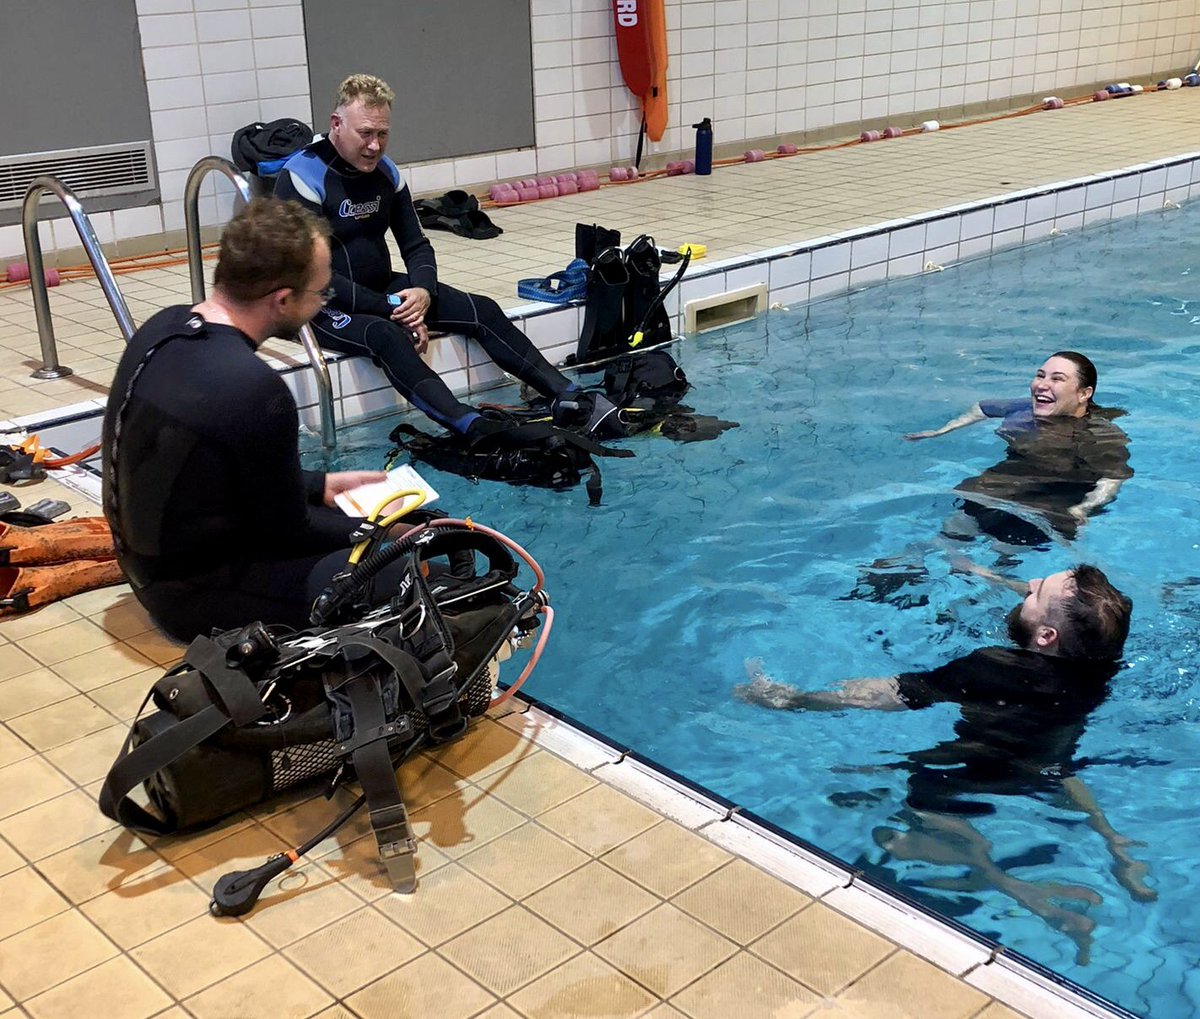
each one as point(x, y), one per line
point(809, 543)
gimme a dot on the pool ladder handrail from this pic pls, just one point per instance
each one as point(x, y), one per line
point(39, 186)
point(191, 221)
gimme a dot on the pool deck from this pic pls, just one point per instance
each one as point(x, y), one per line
point(546, 889)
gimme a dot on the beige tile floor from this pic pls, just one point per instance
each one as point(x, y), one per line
point(544, 893)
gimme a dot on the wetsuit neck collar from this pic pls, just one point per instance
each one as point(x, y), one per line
point(329, 155)
point(219, 317)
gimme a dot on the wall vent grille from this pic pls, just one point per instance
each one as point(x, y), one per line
point(90, 172)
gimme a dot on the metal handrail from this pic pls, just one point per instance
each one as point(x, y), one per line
point(191, 220)
point(50, 368)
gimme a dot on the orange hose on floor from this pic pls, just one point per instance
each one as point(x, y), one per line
point(74, 458)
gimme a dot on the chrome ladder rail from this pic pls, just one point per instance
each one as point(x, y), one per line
point(191, 219)
point(39, 186)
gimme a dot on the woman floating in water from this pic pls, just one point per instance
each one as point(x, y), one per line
point(1066, 459)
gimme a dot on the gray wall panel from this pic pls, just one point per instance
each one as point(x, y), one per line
point(462, 70)
point(72, 75)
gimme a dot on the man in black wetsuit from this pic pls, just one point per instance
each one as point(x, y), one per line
point(347, 178)
point(1023, 712)
point(216, 524)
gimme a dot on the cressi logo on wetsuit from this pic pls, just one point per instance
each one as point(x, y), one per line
point(349, 210)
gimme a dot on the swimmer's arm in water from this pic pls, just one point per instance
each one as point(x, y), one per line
point(968, 417)
point(881, 694)
point(1105, 492)
point(960, 564)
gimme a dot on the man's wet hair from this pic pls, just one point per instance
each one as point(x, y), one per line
point(268, 245)
point(371, 90)
point(1094, 620)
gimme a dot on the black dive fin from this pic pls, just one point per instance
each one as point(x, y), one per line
point(643, 309)
point(591, 239)
point(603, 330)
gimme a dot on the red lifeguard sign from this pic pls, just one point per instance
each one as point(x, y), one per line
point(641, 33)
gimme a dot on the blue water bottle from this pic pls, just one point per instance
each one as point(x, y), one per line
point(704, 135)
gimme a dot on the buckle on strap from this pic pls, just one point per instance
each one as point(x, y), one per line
point(398, 849)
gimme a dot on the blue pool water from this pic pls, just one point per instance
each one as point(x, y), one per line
point(704, 555)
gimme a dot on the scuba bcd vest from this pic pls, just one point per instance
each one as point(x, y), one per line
point(254, 711)
point(625, 298)
point(515, 450)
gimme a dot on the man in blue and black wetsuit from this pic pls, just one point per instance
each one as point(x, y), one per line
point(347, 178)
point(216, 525)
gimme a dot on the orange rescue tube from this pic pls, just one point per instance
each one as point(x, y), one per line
point(640, 27)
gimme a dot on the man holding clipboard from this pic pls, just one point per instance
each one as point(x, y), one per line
point(216, 524)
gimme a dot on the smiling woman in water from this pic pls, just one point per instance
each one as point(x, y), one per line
point(1065, 460)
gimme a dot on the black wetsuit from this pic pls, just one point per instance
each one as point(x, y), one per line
point(1023, 714)
point(1052, 464)
point(216, 523)
point(361, 208)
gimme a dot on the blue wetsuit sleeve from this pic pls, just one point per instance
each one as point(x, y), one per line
point(419, 260)
point(299, 181)
point(1002, 408)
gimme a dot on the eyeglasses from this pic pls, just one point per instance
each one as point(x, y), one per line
point(326, 295)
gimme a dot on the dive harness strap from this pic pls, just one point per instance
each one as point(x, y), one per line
point(235, 701)
point(368, 751)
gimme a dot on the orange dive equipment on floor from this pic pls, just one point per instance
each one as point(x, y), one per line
point(39, 565)
point(641, 32)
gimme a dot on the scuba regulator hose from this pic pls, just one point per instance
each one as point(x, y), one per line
point(346, 587)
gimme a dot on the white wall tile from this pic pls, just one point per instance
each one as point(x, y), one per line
point(281, 51)
point(1099, 194)
point(1126, 187)
point(1069, 201)
point(164, 7)
point(825, 285)
point(277, 21)
point(234, 86)
point(786, 272)
point(431, 177)
point(219, 57)
point(298, 106)
point(475, 170)
point(225, 118)
point(12, 243)
point(186, 122)
point(170, 61)
point(282, 81)
point(167, 29)
point(143, 222)
point(223, 26)
point(519, 163)
point(869, 250)
point(174, 93)
point(180, 155)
